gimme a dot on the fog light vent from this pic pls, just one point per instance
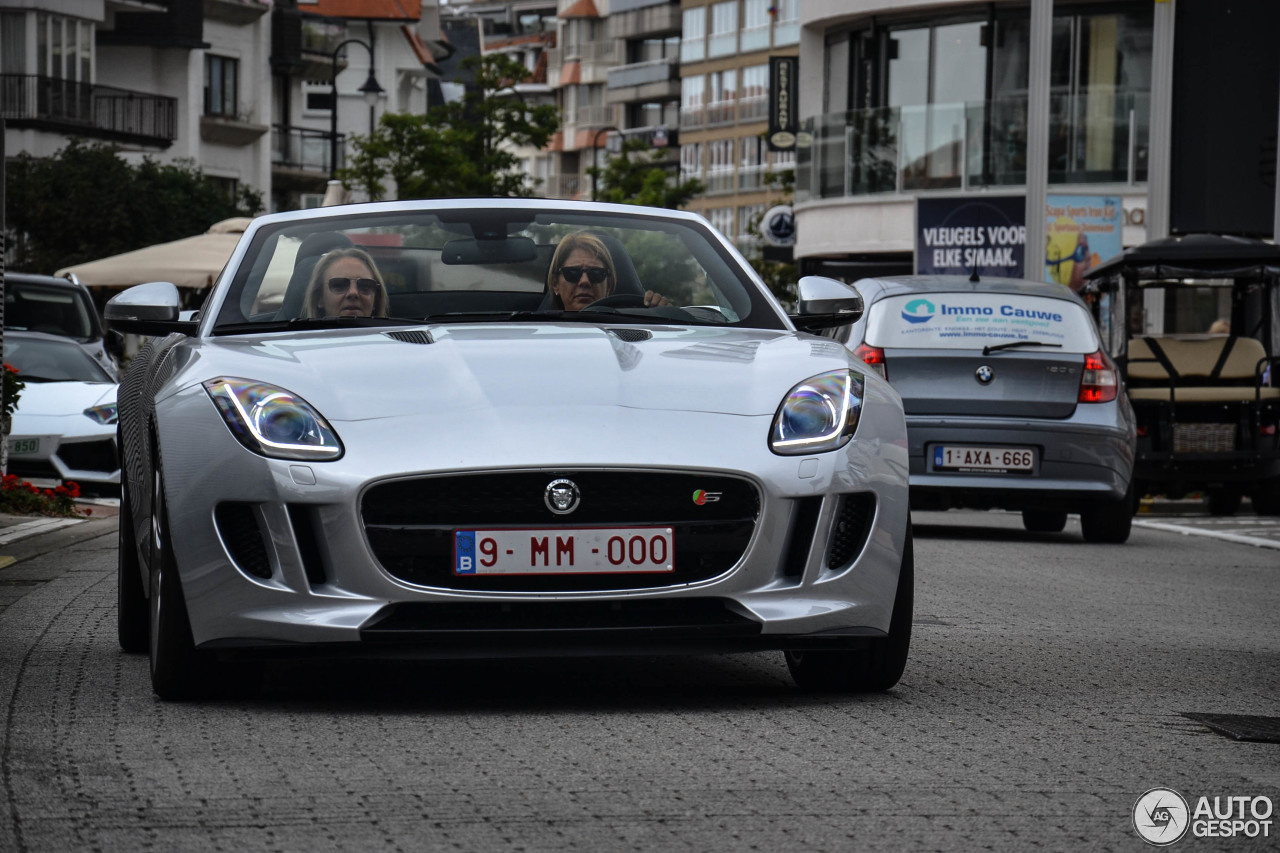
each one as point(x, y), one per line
point(853, 523)
point(238, 527)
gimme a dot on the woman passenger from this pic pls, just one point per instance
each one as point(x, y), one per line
point(346, 283)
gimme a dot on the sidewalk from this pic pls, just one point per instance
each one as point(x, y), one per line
point(25, 536)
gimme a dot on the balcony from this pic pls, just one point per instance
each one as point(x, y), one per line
point(301, 154)
point(1101, 138)
point(652, 20)
point(562, 186)
point(104, 112)
point(658, 79)
point(238, 12)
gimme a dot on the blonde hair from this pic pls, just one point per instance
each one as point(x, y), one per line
point(579, 240)
point(314, 304)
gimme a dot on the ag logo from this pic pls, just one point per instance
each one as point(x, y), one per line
point(1161, 817)
point(918, 311)
point(562, 496)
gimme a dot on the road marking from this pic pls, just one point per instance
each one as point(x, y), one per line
point(1256, 541)
point(35, 528)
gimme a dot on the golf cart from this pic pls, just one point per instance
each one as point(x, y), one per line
point(1193, 322)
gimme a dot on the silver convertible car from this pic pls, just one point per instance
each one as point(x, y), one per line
point(1011, 401)
point(487, 428)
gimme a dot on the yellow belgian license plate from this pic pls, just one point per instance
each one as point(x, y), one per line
point(562, 551)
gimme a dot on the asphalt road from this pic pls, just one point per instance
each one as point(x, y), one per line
point(1045, 694)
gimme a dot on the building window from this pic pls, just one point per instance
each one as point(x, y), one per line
point(786, 26)
point(755, 25)
point(13, 43)
point(693, 40)
point(691, 162)
point(220, 86)
point(724, 94)
point(751, 163)
point(693, 92)
point(721, 218)
point(749, 217)
point(720, 166)
point(724, 29)
point(753, 102)
point(64, 48)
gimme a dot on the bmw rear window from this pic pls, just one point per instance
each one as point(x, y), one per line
point(975, 320)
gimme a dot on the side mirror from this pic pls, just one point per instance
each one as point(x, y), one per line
point(824, 303)
point(148, 309)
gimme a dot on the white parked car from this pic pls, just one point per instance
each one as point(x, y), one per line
point(463, 428)
point(65, 425)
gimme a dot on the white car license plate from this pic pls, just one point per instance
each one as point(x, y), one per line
point(24, 446)
point(964, 457)
point(581, 550)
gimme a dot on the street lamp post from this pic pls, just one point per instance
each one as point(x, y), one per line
point(370, 89)
point(595, 147)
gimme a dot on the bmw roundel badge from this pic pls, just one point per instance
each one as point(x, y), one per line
point(984, 375)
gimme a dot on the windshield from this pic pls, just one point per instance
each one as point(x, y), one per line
point(53, 310)
point(465, 264)
point(977, 320)
point(41, 360)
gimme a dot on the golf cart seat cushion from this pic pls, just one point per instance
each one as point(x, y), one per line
point(1194, 361)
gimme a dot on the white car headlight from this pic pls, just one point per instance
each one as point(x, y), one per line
point(272, 421)
point(819, 414)
point(106, 414)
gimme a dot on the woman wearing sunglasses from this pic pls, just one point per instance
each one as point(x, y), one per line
point(346, 283)
point(582, 271)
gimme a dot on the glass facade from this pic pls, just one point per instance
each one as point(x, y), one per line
point(944, 105)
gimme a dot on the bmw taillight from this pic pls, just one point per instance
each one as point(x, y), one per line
point(1099, 383)
point(873, 356)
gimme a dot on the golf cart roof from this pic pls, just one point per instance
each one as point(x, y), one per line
point(1193, 256)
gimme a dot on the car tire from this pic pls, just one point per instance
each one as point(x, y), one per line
point(1223, 501)
point(874, 669)
point(1108, 522)
point(1266, 497)
point(178, 670)
point(133, 620)
point(1038, 521)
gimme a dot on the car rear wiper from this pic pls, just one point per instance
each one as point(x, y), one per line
point(987, 350)
point(315, 323)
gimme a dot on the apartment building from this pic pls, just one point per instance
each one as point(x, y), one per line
point(725, 47)
point(182, 79)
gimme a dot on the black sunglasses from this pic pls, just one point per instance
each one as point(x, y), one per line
point(366, 286)
point(595, 275)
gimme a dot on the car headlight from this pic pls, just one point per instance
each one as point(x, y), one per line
point(106, 414)
point(272, 421)
point(819, 414)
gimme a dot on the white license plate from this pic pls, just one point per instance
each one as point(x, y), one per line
point(563, 551)
point(23, 446)
point(964, 457)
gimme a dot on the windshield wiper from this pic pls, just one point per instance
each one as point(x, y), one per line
point(987, 350)
point(314, 323)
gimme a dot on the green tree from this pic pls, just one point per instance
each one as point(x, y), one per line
point(460, 149)
point(642, 175)
point(86, 202)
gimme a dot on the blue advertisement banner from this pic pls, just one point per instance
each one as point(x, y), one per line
point(955, 236)
point(1081, 231)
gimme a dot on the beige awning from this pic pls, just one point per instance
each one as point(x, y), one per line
point(192, 262)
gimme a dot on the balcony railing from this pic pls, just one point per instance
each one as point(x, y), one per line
point(105, 111)
point(562, 186)
point(640, 73)
point(304, 149)
point(1094, 138)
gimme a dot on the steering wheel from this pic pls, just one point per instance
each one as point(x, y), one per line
point(618, 300)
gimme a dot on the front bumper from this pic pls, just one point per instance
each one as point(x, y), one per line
point(309, 574)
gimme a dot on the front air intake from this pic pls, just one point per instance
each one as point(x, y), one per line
point(238, 526)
